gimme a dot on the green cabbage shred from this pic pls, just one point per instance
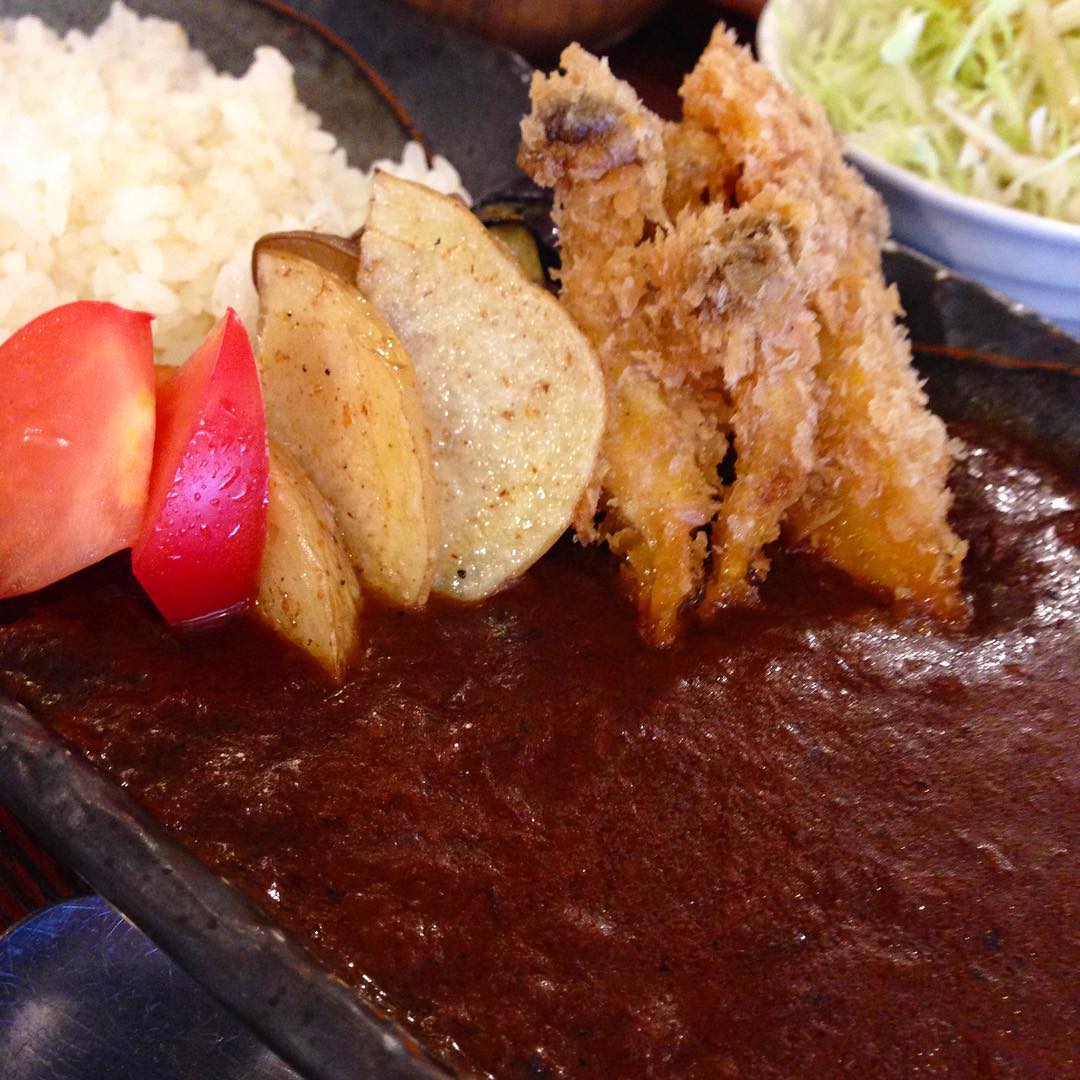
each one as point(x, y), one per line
point(982, 96)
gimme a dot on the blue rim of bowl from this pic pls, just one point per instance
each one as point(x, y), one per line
point(767, 44)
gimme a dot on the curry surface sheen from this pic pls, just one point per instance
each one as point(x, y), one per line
point(813, 840)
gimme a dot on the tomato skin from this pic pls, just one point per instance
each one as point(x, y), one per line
point(202, 539)
point(76, 440)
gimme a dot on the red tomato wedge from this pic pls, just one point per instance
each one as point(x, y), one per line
point(202, 539)
point(76, 440)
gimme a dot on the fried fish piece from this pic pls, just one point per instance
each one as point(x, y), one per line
point(878, 504)
point(589, 139)
point(736, 321)
point(727, 271)
point(656, 502)
point(671, 301)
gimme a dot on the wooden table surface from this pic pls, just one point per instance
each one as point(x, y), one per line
point(654, 60)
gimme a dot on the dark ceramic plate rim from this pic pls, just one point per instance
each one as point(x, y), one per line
point(308, 1016)
point(982, 360)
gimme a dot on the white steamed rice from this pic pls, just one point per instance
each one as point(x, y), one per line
point(132, 171)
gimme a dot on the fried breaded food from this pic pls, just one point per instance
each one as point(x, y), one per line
point(727, 271)
point(878, 503)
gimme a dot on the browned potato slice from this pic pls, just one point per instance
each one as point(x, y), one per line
point(308, 590)
point(341, 395)
point(512, 392)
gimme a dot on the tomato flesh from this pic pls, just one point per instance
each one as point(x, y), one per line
point(76, 440)
point(202, 539)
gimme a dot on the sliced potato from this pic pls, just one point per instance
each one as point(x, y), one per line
point(308, 591)
point(341, 396)
point(512, 393)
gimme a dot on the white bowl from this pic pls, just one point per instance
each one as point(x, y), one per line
point(1032, 259)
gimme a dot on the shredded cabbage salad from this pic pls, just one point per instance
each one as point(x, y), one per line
point(980, 95)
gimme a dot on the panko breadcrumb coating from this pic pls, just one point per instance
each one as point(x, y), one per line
point(727, 271)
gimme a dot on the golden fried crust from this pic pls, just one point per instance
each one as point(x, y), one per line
point(699, 170)
point(737, 322)
point(878, 506)
point(879, 509)
point(784, 147)
point(727, 271)
point(584, 123)
point(658, 495)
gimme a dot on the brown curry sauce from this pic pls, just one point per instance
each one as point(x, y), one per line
point(816, 839)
